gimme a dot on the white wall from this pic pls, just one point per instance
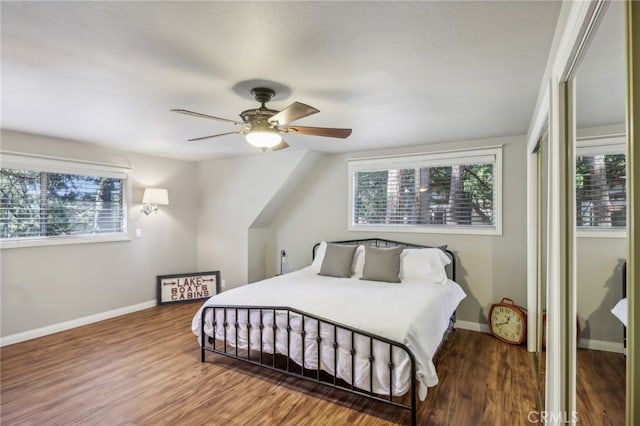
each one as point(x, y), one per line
point(238, 194)
point(599, 287)
point(44, 286)
point(489, 268)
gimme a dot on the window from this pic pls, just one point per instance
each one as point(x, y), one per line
point(51, 201)
point(601, 201)
point(452, 192)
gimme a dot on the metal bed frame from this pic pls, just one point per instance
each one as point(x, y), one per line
point(318, 375)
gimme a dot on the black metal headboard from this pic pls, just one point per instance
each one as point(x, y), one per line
point(379, 242)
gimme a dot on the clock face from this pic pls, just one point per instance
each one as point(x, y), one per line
point(507, 324)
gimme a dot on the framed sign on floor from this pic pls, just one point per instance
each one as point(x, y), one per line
point(191, 287)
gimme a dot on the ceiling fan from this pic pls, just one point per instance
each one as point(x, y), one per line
point(263, 127)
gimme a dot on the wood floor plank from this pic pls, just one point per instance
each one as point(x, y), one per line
point(144, 369)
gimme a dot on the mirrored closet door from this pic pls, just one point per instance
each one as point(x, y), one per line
point(588, 199)
point(600, 208)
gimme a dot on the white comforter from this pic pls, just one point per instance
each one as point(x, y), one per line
point(415, 314)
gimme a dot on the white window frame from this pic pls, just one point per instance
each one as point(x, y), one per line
point(20, 161)
point(440, 158)
point(597, 145)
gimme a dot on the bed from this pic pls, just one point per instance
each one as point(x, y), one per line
point(340, 327)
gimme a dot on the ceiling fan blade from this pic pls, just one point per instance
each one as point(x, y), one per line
point(281, 145)
point(293, 112)
point(215, 136)
point(319, 131)
point(197, 114)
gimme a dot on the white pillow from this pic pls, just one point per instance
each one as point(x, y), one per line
point(357, 267)
point(621, 311)
point(424, 264)
point(317, 261)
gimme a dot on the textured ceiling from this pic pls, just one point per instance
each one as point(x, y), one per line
point(398, 73)
point(600, 77)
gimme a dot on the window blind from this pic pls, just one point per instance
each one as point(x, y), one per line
point(601, 191)
point(455, 192)
point(43, 204)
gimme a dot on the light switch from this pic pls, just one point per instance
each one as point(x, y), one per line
point(138, 232)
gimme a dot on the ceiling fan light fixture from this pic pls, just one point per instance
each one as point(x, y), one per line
point(262, 126)
point(264, 138)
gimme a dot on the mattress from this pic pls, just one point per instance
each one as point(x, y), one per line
point(413, 313)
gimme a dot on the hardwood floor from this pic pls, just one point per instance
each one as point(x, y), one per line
point(144, 369)
point(600, 388)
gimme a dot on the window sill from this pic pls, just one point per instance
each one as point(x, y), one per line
point(56, 241)
point(601, 233)
point(429, 229)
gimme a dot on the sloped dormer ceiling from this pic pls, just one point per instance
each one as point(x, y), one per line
point(398, 73)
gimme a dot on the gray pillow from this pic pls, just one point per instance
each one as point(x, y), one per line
point(337, 260)
point(382, 264)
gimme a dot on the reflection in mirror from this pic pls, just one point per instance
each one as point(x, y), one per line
point(600, 219)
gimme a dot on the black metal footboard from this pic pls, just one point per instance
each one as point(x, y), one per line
point(236, 329)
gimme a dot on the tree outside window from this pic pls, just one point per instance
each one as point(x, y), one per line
point(442, 192)
point(601, 191)
point(41, 204)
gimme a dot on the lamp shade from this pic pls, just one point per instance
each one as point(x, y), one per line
point(159, 196)
point(264, 138)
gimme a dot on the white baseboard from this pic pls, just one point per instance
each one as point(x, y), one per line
point(473, 326)
point(55, 328)
point(596, 345)
point(601, 345)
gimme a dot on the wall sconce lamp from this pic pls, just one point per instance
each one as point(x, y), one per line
point(152, 198)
